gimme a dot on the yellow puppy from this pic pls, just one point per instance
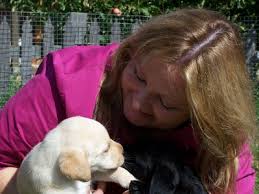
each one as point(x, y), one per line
point(76, 151)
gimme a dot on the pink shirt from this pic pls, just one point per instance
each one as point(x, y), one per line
point(67, 84)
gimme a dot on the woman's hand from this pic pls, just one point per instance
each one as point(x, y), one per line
point(101, 187)
point(8, 181)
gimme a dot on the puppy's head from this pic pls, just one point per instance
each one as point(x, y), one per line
point(160, 170)
point(87, 148)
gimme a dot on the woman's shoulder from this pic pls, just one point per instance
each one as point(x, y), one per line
point(83, 55)
point(246, 173)
point(81, 49)
point(245, 161)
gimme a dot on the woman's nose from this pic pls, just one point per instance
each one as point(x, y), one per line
point(142, 102)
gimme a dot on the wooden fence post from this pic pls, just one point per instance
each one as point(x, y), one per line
point(250, 51)
point(27, 51)
point(75, 29)
point(81, 21)
point(48, 37)
point(115, 31)
point(5, 43)
point(15, 36)
point(94, 34)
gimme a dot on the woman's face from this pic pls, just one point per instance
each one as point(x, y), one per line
point(154, 94)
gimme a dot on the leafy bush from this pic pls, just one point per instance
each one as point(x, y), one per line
point(13, 85)
point(148, 8)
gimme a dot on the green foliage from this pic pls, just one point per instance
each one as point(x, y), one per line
point(13, 85)
point(137, 7)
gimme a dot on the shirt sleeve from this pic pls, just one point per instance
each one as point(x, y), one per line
point(65, 85)
point(28, 115)
point(246, 176)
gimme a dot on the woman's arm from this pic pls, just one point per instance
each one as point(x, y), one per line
point(66, 84)
point(8, 181)
point(24, 121)
point(28, 116)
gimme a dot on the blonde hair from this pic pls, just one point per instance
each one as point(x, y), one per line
point(209, 49)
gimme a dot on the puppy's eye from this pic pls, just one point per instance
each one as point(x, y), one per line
point(107, 148)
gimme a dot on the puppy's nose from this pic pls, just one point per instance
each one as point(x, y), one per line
point(118, 146)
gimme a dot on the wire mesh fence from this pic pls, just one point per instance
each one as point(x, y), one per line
point(26, 37)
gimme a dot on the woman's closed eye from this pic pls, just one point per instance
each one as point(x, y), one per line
point(137, 75)
point(166, 106)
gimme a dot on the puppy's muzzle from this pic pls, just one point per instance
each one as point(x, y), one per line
point(117, 152)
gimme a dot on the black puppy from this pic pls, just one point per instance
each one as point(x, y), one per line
point(159, 171)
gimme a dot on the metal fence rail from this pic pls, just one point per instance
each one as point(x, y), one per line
point(25, 37)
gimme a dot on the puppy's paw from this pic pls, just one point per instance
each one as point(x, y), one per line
point(120, 176)
point(124, 177)
point(74, 165)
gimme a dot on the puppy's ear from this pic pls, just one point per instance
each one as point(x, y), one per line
point(73, 164)
point(165, 179)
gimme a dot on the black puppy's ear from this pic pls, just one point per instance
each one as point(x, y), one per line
point(137, 187)
point(189, 182)
point(164, 180)
point(140, 164)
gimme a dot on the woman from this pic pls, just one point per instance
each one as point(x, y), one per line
point(181, 79)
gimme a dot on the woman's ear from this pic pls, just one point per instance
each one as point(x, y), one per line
point(73, 163)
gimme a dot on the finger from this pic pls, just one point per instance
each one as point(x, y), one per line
point(126, 192)
point(101, 186)
point(98, 191)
